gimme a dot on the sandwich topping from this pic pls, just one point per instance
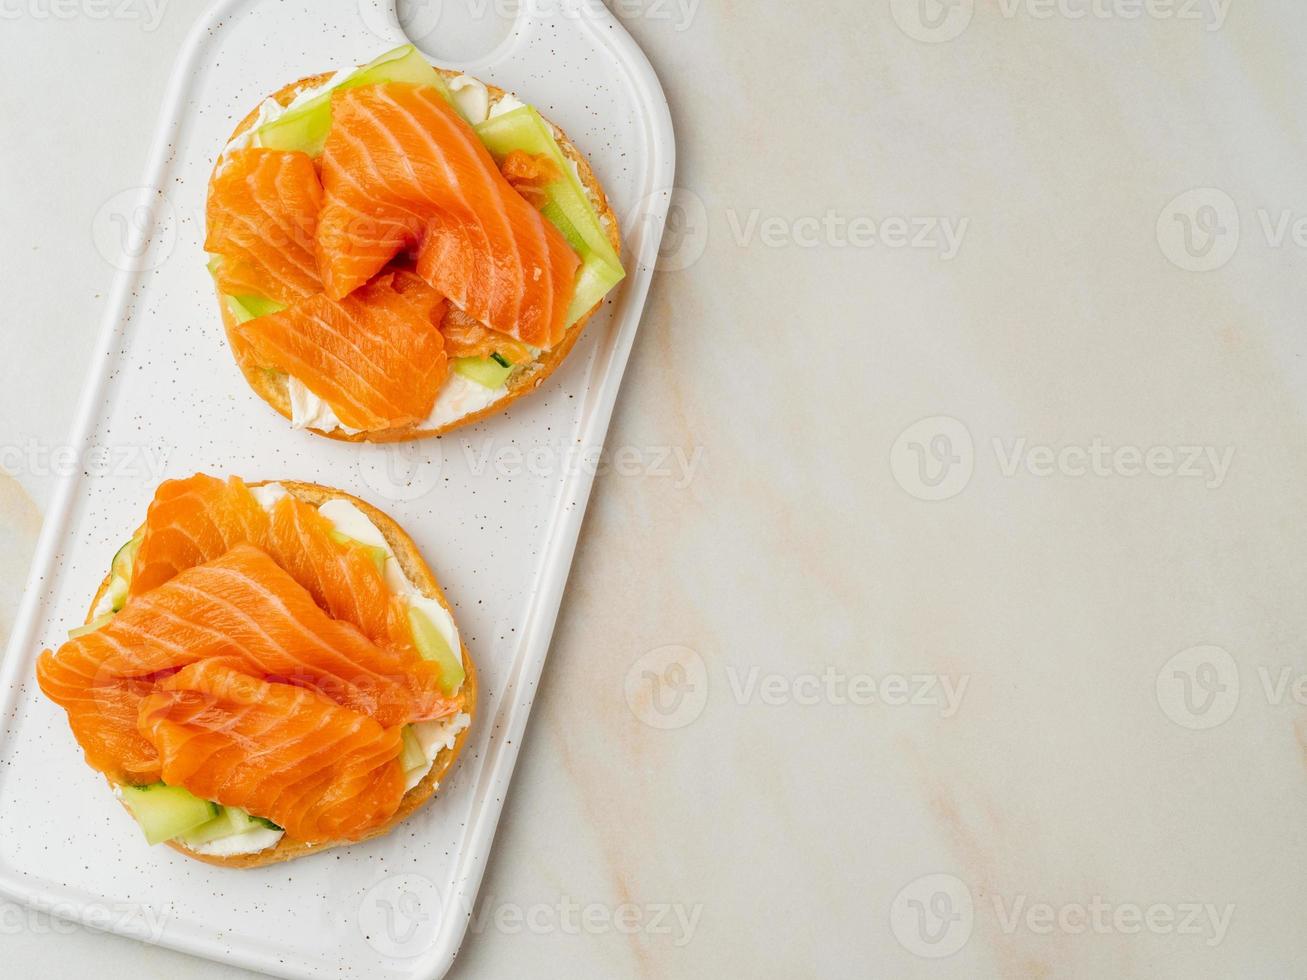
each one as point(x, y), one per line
point(260, 667)
point(358, 232)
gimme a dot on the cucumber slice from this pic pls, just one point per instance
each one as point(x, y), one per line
point(595, 281)
point(117, 593)
point(246, 308)
point(483, 370)
point(90, 627)
point(413, 757)
point(431, 645)
point(165, 812)
point(568, 208)
point(230, 822)
point(376, 553)
point(125, 558)
point(305, 128)
point(120, 572)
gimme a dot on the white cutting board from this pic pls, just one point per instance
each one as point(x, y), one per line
point(495, 508)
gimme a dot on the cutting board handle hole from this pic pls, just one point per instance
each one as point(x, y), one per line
point(458, 32)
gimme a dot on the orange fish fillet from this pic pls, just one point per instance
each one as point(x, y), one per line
point(321, 771)
point(376, 356)
point(530, 174)
point(464, 337)
point(342, 578)
point(242, 607)
point(192, 521)
point(402, 170)
point(262, 219)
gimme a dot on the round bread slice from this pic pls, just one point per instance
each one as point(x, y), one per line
point(410, 560)
point(272, 386)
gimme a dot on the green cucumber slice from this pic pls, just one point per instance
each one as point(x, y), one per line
point(228, 823)
point(483, 370)
point(165, 812)
point(125, 558)
point(413, 757)
point(246, 308)
point(595, 281)
point(431, 645)
point(305, 128)
point(90, 627)
point(117, 593)
point(568, 208)
point(375, 552)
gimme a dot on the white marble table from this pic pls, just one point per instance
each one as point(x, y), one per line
point(1018, 683)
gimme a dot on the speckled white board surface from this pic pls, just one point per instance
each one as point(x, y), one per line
point(494, 508)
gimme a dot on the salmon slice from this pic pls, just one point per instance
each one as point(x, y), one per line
point(464, 337)
point(402, 170)
point(321, 771)
point(342, 578)
point(376, 357)
point(530, 174)
point(245, 605)
point(262, 219)
point(241, 607)
point(192, 521)
point(102, 711)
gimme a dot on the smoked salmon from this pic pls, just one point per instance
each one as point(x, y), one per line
point(376, 357)
point(402, 170)
point(242, 607)
point(260, 660)
point(192, 521)
point(262, 218)
point(321, 771)
point(335, 184)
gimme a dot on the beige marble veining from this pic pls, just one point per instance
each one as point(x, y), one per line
point(789, 554)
